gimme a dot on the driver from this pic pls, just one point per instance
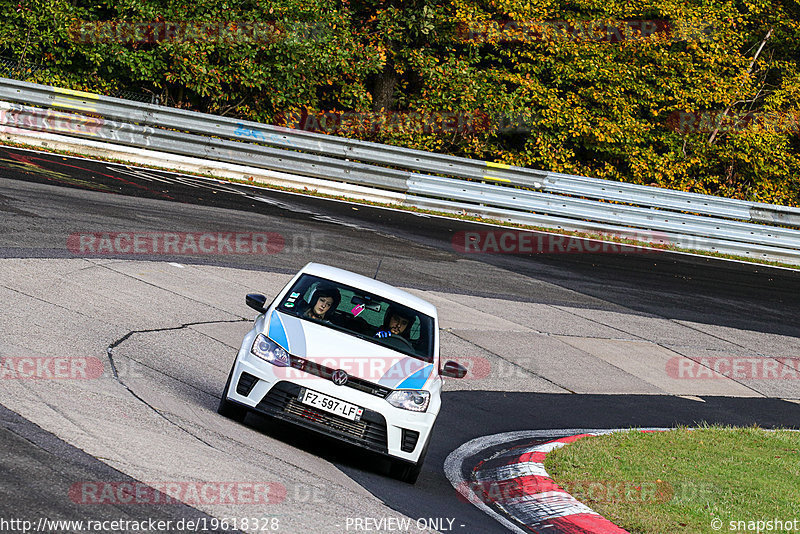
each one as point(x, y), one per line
point(396, 323)
point(323, 303)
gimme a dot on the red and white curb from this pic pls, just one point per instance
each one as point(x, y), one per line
point(516, 483)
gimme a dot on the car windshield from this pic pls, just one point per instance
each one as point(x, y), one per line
point(361, 314)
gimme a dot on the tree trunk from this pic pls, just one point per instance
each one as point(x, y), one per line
point(384, 87)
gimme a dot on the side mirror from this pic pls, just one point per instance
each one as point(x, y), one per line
point(454, 370)
point(257, 302)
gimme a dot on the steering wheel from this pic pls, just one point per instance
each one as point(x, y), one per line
point(392, 340)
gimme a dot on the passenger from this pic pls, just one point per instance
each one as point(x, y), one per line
point(324, 302)
point(396, 323)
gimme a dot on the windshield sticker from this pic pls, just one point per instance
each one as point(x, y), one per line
point(357, 310)
point(290, 301)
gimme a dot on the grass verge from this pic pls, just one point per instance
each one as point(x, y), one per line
point(686, 480)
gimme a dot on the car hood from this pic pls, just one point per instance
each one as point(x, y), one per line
point(338, 350)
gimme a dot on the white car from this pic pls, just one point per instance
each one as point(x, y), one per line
point(349, 357)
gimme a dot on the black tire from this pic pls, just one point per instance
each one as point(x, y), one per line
point(229, 409)
point(406, 472)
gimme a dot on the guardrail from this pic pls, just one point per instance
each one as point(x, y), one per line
point(428, 180)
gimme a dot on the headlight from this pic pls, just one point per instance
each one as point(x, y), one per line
point(266, 349)
point(410, 399)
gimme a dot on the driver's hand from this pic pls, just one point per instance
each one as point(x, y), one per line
point(383, 333)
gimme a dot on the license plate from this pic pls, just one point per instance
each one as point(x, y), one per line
point(330, 404)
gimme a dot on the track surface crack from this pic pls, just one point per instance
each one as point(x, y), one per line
point(118, 342)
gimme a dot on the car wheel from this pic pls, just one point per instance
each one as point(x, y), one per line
point(229, 409)
point(406, 472)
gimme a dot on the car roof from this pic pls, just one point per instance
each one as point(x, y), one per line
point(370, 285)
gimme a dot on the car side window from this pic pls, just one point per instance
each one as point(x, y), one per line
point(413, 330)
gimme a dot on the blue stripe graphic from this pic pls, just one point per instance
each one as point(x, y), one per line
point(277, 332)
point(417, 380)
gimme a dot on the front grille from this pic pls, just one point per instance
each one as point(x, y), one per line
point(245, 384)
point(368, 387)
point(325, 372)
point(282, 401)
point(354, 428)
point(410, 438)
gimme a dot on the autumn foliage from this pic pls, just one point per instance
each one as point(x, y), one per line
point(699, 96)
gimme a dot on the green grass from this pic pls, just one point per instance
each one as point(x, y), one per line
point(682, 480)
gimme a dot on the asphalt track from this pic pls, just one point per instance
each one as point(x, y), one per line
point(38, 470)
point(45, 198)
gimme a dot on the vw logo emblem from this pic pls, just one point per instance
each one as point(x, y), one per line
point(339, 377)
